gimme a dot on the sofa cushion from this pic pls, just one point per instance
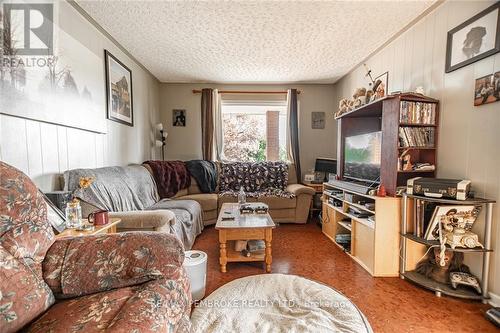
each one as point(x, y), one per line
point(253, 176)
point(207, 201)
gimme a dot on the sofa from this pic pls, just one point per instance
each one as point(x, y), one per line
point(125, 282)
point(283, 209)
point(130, 193)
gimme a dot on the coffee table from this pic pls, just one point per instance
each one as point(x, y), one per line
point(243, 227)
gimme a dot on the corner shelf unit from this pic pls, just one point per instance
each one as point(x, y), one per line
point(389, 115)
point(374, 245)
point(414, 247)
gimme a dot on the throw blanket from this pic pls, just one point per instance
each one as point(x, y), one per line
point(170, 177)
point(256, 178)
point(189, 221)
point(205, 174)
point(116, 189)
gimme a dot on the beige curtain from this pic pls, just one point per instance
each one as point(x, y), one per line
point(218, 150)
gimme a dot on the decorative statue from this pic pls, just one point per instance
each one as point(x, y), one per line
point(455, 229)
point(430, 266)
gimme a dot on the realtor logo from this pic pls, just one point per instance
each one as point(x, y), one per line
point(30, 28)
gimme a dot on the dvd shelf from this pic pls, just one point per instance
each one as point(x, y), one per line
point(416, 137)
point(417, 113)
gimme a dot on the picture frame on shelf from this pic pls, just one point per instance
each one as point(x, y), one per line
point(55, 216)
point(119, 91)
point(380, 90)
point(474, 39)
point(466, 214)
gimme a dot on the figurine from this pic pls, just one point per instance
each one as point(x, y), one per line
point(454, 230)
point(431, 268)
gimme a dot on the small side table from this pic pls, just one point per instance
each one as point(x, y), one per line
point(109, 228)
point(318, 188)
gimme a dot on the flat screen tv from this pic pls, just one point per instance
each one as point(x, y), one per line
point(362, 156)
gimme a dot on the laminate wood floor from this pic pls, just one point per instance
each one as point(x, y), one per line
point(390, 304)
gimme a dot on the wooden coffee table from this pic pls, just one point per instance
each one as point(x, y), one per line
point(243, 227)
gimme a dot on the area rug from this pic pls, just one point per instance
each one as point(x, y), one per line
point(277, 303)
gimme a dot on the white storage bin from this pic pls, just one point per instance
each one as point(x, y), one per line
point(195, 264)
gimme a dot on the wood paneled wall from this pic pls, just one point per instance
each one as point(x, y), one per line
point(44, 151)
point(469, 143)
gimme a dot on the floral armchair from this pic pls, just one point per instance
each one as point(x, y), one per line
point(127, 282)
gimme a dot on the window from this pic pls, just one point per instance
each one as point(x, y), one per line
point(254, 131)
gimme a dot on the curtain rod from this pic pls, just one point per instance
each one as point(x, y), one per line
point(197, 91)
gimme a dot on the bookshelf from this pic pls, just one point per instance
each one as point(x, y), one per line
point(394, 115)
point(414, 246)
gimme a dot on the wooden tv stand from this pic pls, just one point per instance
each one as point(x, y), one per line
point(374, 245)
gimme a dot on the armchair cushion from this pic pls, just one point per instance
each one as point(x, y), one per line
point(161, 305)
point(299, 189)
point(25, 236)
point(90, 264)
point(144, 219)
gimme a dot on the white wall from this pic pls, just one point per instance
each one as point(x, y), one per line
point(44, 150)
point(184, 143)
point(469, 142)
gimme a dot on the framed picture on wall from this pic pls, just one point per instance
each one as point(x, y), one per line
point(179, 118)
point(119, 99)
point(473, 40)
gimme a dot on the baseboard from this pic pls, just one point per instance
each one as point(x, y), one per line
point(494, 299)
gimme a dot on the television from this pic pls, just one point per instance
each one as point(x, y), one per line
point(326, 166)
point(362, 156)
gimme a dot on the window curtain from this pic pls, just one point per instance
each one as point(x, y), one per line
point(211, 142)
point(293, 131)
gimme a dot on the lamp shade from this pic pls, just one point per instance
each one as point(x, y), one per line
point(159, 143)
point(159, 127)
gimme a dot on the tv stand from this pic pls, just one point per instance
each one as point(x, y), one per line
point(357, 187)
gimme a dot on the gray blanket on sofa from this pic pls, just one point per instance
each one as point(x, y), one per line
point(189, 221)
point(132, 188)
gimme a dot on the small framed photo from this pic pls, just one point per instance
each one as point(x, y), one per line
point(487, 89)
point(119, 101)
point(179, 118)
point(318, 120)
point(473, 40)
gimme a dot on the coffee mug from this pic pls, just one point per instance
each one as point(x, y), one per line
point(99, 217)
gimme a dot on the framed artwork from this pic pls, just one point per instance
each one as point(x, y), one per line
point(119, 97)
point(381, 88)
point(473, 40)
point(318, 120)
point(179, 118)
point(487, 89)
point(56, 218)
point(465, 215)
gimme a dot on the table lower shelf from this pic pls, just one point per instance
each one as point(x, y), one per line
point(236, 256)
point(460, 292)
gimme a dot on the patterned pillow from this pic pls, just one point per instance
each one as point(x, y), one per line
point(253, 176)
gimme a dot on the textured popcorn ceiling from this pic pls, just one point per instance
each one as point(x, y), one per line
point(252, 41)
